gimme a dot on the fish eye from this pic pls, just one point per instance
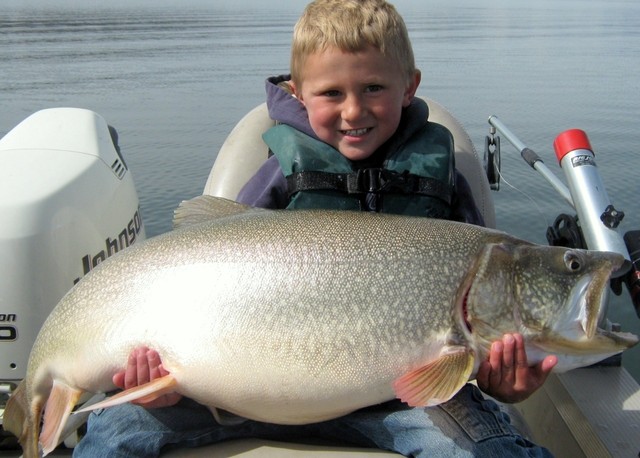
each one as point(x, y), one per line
point(572, 261)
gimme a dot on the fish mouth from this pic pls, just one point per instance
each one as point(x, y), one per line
point(594, 295)
point(587, 307)
point(604, 343)
point(619, 339)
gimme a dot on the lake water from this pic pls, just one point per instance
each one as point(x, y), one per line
point(174, 78)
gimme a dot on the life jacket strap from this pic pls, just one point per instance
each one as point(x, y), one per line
point(369, 180)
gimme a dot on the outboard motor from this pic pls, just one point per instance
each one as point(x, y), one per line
point(67, 202)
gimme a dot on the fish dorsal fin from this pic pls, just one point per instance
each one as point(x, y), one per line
point(143, 393)
point(437, 381)
point(61, 401)
point(206, 208)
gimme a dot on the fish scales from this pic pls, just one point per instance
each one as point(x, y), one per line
point(318, 296)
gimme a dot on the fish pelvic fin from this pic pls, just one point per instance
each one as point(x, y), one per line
point(436, 382)
point(18, 421)
point(142, 393)
point(225, 418)
point(62, 399)
point(206, 208)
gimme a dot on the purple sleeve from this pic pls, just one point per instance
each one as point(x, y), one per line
point(267, 188)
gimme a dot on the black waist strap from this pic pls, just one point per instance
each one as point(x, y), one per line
point(370, 180)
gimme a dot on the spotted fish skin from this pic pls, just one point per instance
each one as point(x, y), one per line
point(294, 317)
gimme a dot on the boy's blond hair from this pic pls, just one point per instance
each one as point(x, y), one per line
point(351, 26)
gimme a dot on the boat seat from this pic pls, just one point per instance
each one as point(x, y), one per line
point(243, 152)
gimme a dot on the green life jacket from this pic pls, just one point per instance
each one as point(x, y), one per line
point(417, 180)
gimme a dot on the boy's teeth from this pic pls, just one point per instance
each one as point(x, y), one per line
point(356, 132)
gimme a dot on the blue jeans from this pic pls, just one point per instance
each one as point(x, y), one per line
point(466, 426)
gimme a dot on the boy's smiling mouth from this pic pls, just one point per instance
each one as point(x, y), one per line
point(356, 132)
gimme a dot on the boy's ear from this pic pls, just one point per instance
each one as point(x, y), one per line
point(296, 92)
point(411, 89)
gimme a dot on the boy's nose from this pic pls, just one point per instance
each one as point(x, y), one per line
point(353, 108)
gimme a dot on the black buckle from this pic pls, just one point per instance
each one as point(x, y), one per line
point(370, 180)
point(374, 180)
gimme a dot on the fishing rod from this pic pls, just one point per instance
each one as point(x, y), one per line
point(531, 158)
point(595, 225)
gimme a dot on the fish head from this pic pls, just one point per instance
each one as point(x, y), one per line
point(554, 296)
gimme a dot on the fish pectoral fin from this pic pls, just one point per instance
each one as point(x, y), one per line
point(437, 381)
point(143, 393)
point(62, 399)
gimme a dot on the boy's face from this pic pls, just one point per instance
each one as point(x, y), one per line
point(354, 100)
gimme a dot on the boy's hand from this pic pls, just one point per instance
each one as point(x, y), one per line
point(143, 366)
point(507, 376)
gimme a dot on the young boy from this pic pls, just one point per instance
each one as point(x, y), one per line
point(351, 136)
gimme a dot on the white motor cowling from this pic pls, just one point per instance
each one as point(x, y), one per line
point(67, 202)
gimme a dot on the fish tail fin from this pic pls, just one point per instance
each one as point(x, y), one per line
point(437, 381)
point(18, 421)
point(206, 208)
point(142, 393)
point(62, 400)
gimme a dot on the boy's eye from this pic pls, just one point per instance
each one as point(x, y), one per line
point(373, 88)
point(331, 93)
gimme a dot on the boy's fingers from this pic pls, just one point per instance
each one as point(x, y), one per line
point(547, 364)
point(495, 360)
point(520, 352)
point(523, 372)
point(482, 377)
point(142, 367)
point(118, 379)
point(155, 368)
point(508, 343)
point(131, 372)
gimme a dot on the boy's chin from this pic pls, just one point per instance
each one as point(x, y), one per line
point(354, 154)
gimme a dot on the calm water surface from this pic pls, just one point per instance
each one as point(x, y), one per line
point(174, 77)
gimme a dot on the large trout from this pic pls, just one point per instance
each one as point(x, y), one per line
point(300, 316)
